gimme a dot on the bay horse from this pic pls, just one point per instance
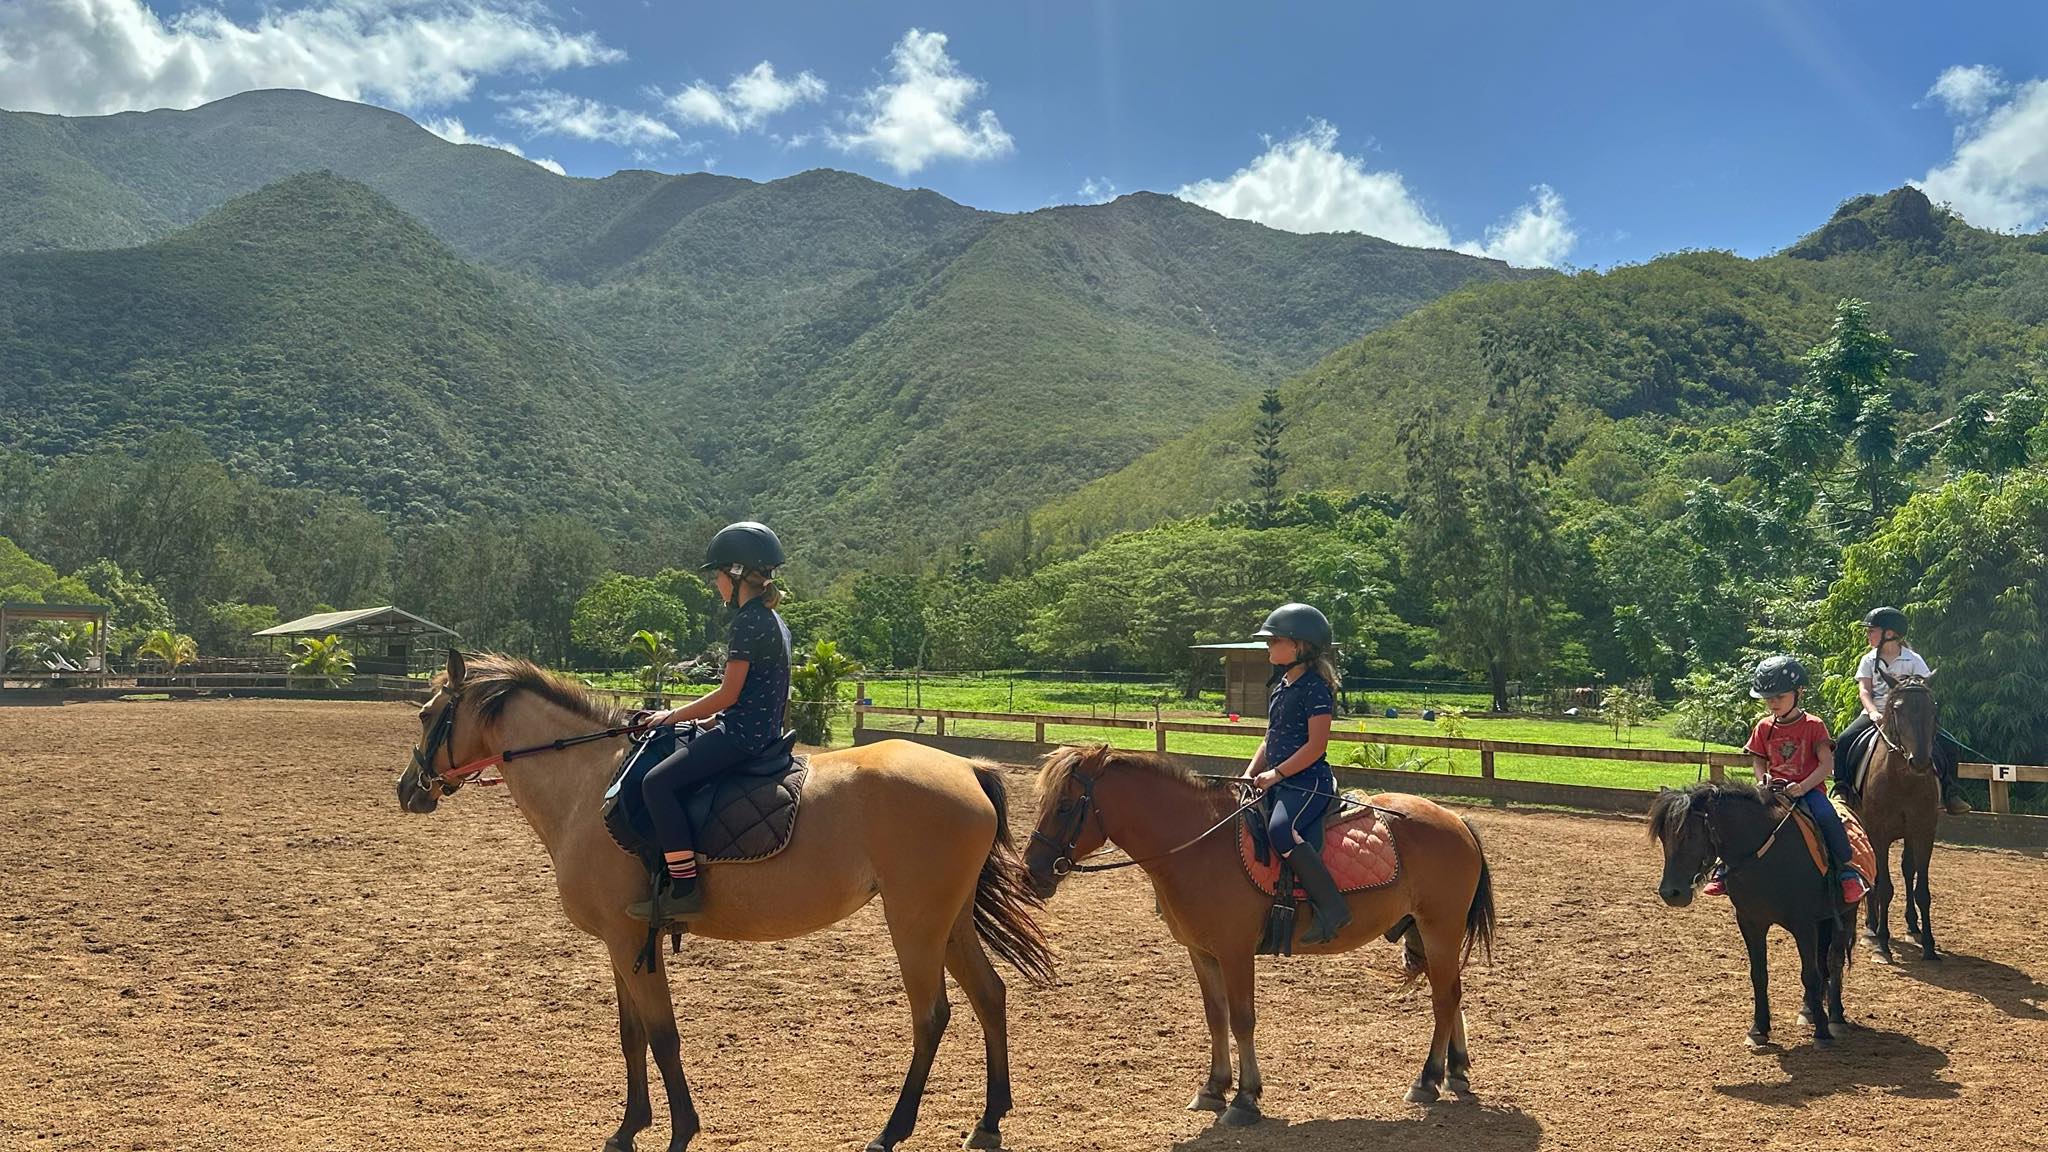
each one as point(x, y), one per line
point(1770, 879)
point(923, 829)
point(1440, 904)
point(1901, 800)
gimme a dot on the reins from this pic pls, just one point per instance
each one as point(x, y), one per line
point(1063, 863)
point(444, 733)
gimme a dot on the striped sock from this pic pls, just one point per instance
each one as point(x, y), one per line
point(684, 869)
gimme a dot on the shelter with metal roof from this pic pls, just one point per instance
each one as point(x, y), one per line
point(383, 639)
point(15, 611)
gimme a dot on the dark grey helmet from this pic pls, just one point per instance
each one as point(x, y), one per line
point(748, 544)
point(1302, 622)
point(1890, 619)
point(1777, 674)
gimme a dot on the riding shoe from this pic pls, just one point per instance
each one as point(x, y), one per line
point(674, 906)
point(1952, 801)
point(1853, 888)
point(1716, 884)
point(1332, 911)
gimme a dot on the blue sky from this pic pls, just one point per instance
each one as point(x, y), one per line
point(1585, 134)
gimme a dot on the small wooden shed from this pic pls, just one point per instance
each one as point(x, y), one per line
point(95, 615)
point(1245, 672)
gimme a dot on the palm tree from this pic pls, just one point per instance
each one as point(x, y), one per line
point(816, 688)
point(657, 654)
point(168, 648)
point(323, 658)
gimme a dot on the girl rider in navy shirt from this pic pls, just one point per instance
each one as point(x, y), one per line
point(737, 721)
point(1291, 767)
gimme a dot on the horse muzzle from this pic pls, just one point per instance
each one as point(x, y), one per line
point(417, 798)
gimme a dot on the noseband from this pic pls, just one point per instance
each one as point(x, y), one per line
point(1900, 687)
point(1063, 858)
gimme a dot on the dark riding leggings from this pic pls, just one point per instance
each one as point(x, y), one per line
point(1295, 806)
point(670, 782)
point(1829, 822)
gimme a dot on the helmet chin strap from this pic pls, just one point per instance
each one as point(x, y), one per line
point(1281, 671)
point(738, 574)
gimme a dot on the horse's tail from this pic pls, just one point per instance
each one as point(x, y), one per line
point(1480, 919)
point(1004, 901)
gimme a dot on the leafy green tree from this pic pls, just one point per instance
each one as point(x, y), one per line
point(619, 607)
point(1969, 564)
point(1267, 461)
point(560, 559)
point(1478, 527)
point(168, 650)
point(1714, 706)
point(1624, 708)
point(228, 627)
point(657, 656)
point(138, 609)
point(323, 658)
point(815, 688)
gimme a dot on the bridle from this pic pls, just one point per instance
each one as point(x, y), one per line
point(1900, 685)
point(1063, 849)
point(1704, 813)
point(442, 734)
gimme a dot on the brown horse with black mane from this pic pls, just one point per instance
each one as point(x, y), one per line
point(921, 828)
point(1439, 904)
point(1901, 800)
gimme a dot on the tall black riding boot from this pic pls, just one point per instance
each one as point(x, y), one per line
point(1332, 912)
point(1952, 800)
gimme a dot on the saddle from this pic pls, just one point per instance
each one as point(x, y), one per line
point(1861, 855)
point(746, 814)
point(1357, 846)
point(1853, 759)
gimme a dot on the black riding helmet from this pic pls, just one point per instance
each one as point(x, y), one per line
point(737, 549)
point(1299, 622)
point(1776, 675)
point(1888, 619)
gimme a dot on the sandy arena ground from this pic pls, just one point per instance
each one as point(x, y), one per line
point(218, 931)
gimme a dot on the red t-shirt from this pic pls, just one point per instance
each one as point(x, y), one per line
point(1793, 749)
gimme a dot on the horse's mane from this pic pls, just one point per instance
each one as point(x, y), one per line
point(1060, 764)
point(1671, 807)
point(492, 679)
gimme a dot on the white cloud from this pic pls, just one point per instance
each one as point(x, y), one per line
point(1538, 235)
point(549, 163)
point(89, 57)
point(451, 129)
point(751, 98)
point(1305, 184)
point(1997, 177)
point(549, 113)
point(1093, 191)
point(1968, 89)
point(921, 114)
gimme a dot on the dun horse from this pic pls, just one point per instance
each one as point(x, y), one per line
point(1770, 880)
point(1440, 905)
point(1901, 800)
point(923, 829)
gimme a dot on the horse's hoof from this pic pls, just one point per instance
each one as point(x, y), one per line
point(1422, 1094)
point(983, 1138)
point(1805, 1019)
point(1929, 955)
point(1242, 1115)
point(613, 1145)
point(1823, 1041)
point(1204, 1102)
point(1458, 1085)
point(1758, 1041)
point(1881, 955)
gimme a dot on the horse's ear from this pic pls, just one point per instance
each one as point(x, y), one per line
point(456, 668)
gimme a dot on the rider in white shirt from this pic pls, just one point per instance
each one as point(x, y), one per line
point(1887, 660)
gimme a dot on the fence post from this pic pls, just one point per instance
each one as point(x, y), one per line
point(1158, 731)
point(1717, 774)
point(1486, 761)
point(2001, 797)
point(939, 724)
point(1040, 736)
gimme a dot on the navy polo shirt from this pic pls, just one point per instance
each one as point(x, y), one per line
point(760, 638)
point(1287, 713)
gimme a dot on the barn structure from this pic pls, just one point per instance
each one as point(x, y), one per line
point(1245, 673)
point(386, 640)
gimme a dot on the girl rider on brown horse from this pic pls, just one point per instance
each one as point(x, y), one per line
point(734, 723)
point(1890, 660)
point(1291, 767)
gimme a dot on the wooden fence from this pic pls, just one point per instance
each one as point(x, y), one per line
point(2000, 776)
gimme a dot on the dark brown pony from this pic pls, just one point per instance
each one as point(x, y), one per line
point(1440, 906)
point(1901, 800)
point(1770, 880)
